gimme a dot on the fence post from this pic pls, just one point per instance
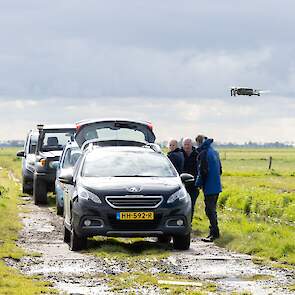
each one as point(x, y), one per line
point(270, 163)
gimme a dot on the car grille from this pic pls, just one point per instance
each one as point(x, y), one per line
point(134, 202)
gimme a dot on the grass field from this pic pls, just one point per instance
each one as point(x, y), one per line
point(11, 281)
point(257, 205)
point(256, 208)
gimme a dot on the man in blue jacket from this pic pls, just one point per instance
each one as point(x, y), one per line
point(208, 179)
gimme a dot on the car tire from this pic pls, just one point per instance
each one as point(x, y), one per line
point(40, 191)
point(182, 242)
point(164, 239)
point(27, 188)
point(77, 243)
point(67, 235)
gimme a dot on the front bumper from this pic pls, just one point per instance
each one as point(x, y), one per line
point(104, 222)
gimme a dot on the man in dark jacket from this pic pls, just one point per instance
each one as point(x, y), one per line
point(208, 178)
point(175, 155)
point(190, 166)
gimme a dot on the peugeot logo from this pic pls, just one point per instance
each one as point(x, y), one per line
point(134, 189)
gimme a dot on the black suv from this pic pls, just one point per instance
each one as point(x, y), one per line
point(126, 192)
point(51, 141)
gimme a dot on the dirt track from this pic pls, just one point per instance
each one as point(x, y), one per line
point(79, 273)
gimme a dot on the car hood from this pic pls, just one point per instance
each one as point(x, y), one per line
point(132, 185)
point(51, 154)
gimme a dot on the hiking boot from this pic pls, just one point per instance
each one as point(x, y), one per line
point(209, 239)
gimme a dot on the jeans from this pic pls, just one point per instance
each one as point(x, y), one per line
point(193, 191)
point(210, 209)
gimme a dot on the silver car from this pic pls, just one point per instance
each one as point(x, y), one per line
point(28, 161)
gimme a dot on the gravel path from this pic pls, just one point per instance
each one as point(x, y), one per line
point(79, 273)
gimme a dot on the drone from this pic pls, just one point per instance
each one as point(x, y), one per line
point(234, 91)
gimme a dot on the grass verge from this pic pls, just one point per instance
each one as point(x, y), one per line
point(250, 235)
point(164, 283)
point(12, 281)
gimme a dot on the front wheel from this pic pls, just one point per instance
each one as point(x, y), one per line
point(27, 188)
point(182, 242)
point(67, 235)
point(164, 239)
point(77, 243)
point(59, 209)
point(40, 191)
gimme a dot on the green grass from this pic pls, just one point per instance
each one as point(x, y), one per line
point(11, 281)
point(9, 160)
point(256, 215)
point(137, 280)
point(257, 206)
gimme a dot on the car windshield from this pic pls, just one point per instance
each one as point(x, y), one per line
point(127, 164)
point(55, 140)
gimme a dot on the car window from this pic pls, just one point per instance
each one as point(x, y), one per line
point(26, 144)
point(106, 134)
point(71, 157)
point(55, 140)
point(124, 164)
point(33, 144)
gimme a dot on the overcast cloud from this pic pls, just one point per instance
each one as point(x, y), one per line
point(171, 62)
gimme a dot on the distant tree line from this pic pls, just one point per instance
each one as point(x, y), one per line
point(249, 144)
point(12, 143)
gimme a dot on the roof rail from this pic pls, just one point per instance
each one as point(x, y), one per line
point(154, 147)
point(89, 143)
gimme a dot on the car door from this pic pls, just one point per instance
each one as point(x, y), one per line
point(70, 192)
point(30, 150)
point(60, 187)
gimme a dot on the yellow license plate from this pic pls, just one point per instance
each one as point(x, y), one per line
point(135, 216)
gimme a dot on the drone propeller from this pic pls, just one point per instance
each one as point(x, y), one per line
point(263, 91)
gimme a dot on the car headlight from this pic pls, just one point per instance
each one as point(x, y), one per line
point(87, 195)
point(181, 195)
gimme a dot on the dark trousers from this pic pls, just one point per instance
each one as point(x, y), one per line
point(194, 193)
point(210, 209)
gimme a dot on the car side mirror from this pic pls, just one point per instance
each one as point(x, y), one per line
point(187, 178)
point(67, 177)
point(20, 154)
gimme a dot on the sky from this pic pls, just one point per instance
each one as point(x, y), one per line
point(170, 62)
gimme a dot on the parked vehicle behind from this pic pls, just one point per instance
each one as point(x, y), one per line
point(28, 161)
point(51, 141)
point(68, 159)
point(126, 191)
